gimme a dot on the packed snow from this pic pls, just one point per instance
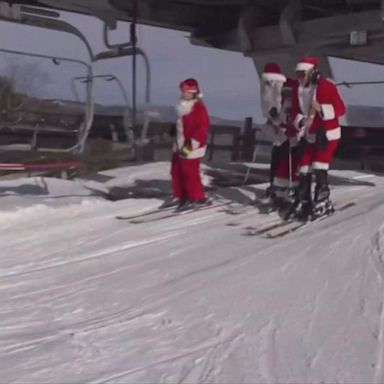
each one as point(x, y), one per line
point(87, 298)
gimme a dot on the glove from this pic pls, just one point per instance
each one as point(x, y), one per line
point(301, 132)
point(172, 130)
point(321, 138)
point(273, 113)
point(304, 126)
point(185, 150)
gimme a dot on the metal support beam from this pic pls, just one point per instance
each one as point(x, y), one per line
point(289, 16)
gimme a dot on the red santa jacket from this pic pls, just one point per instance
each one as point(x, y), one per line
point(332, 107)
point(192, 128)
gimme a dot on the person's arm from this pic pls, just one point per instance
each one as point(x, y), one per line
point(199, 137)
point(332, 109)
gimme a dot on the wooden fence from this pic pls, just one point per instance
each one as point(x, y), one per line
point(225, 142)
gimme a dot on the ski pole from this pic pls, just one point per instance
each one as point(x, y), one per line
point(290, 165)
point(253, 161)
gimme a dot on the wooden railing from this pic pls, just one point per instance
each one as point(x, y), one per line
point(226, 142)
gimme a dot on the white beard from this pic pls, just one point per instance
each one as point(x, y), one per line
point(305, 98)
point(270, 95)
point(185, 107)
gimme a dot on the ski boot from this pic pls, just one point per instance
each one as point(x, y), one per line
point(301, 206)
point(174, 202)
point(322, 204)
point(268, 196)
point(322, 208)
point(197, 204)
point(288, 206)
point(304, 211)
point(269, 191)
point(183, 205)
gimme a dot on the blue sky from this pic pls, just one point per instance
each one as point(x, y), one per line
point(228, 80)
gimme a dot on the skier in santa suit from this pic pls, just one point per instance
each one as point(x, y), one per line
point(189, 146)
point(316, 108)
point(286, 177)
point(271, 86)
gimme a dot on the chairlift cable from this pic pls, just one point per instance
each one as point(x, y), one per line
point(348, 84)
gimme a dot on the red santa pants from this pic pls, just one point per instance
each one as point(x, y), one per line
point(286, 178)
point(316, 158)
point(186, 181)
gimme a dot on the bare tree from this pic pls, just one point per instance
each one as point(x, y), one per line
point(21, 84)
point(27, 77)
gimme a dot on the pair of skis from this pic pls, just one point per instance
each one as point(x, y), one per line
point(282, 228)
point(272, 230)
point(169, 212)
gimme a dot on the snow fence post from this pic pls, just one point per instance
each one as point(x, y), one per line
point(248, 140)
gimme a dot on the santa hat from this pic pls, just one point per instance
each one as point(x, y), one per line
point(307, 63)
point(190, 85)
point(273, 72)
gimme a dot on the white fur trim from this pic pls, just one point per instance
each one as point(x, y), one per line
point(306, 96)
point(194, 154)
point(328, 111)
point(270, 76)
point(304, 66)
point(297, 120)
point(179, 133)
point(334, 134)
point(319, 165)
point(195, 144)
point(185, 107)
point(283, 183)
point(197, 153)
point(304, 169)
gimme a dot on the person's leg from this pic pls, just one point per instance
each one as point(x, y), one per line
point(285, 176)
point(177, 178)
point(322, 189)
point(192, 180)
point(275, 159)
point(304, 190)
point(294, 171)
point(322, 160)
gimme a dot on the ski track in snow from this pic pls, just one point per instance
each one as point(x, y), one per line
point(153, 303)
point(201, 366)
point(377, 257)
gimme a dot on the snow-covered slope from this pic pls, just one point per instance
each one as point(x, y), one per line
point(191, 299)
